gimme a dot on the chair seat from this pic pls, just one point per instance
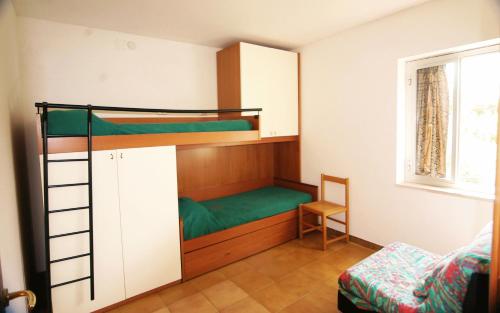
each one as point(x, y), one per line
point(324, 207)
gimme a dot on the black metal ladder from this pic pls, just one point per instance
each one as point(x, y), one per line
point(45, 134)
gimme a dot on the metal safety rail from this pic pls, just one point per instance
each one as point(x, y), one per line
point(44, 106)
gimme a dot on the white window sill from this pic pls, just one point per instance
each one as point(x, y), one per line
point(452, 191)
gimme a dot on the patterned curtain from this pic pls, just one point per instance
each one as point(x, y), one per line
point(432, 121)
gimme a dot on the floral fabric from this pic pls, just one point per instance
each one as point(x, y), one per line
point(403, 278)
point(432, 121)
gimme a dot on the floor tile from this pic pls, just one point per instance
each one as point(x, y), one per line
point(148, 304)
point(311, 304)
point(252, 281)
point(296, 283)
point(321, 270)
point(268, 255)
point(196, 303)
point(316, 253)
point(274, 298)
point(206, 280)
point(262, 258)
point(177, 292)
point(162, 310)
point(284, 248)
point(297, 258)
point(224, 294)
point(327, 290)
point(276, 269)
point(347, 256)
point(235, 268)
point(247, 305)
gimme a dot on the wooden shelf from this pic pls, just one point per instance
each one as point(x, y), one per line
point(181, 140)
point(239, 143)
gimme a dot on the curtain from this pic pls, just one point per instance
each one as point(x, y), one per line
point(432, 121)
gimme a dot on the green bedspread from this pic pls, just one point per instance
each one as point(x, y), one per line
point(201, 218)
point(74, 122)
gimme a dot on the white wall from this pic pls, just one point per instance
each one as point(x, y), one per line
point(11, 256)
point(349, 121)
point(74, 64)
point(64, 63)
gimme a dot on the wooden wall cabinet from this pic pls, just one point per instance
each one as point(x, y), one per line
point(136, 226)
point(252, 76)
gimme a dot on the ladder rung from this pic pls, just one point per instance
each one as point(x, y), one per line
point(69, 234)
point(70, 209)
point(70, 258)
point(68, 160)
point(70, 282)
point(67, 185)
point(65, 136)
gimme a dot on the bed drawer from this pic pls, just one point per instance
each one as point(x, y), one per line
point(215, 256)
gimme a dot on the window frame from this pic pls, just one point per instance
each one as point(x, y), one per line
point(410, 107)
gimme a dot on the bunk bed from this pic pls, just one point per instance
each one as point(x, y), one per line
point(251, 210)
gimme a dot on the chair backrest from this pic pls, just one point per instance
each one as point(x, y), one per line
point(338, 180)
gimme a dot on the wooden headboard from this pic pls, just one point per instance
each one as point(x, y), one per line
point(214, 172)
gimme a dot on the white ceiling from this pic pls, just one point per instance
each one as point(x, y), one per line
point(280, 23)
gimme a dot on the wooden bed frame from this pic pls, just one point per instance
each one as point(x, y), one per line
point(206, 253)
point(181, 140)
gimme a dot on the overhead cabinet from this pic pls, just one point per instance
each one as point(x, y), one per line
point(136, 228)
point(252, 76)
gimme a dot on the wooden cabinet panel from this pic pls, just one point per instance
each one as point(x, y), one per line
point(136, 230)
point(108, 264)
point(269, 79)
point(149, 216)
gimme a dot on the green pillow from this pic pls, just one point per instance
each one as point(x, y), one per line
point(198, 220)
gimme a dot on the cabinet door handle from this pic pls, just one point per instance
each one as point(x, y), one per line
point(111, 156)
point(121, 155)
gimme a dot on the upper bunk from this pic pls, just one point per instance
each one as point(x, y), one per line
point(66, 127)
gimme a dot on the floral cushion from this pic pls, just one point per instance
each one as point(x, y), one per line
point(385, 280)
point(445, 288)
point(402, 278)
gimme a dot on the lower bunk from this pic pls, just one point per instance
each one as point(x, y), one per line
point(225, 230)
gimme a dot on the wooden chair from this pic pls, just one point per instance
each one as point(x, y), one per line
point(325, 209)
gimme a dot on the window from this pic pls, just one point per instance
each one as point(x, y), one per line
point(451, 120)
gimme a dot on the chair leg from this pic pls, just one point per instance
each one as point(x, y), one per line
point(323, 224)
point(347, 225)
point(301, 227)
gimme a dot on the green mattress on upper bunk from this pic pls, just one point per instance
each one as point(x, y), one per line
point(74, 122)
point(205, 217)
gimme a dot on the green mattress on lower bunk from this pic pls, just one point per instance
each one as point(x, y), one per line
point(201, 218)
point(74, 122)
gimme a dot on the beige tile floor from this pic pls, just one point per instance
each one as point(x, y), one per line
point(295, 277)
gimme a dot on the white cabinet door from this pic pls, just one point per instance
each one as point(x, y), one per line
point(150, 221)
point(108, 262)
point(269, 79)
